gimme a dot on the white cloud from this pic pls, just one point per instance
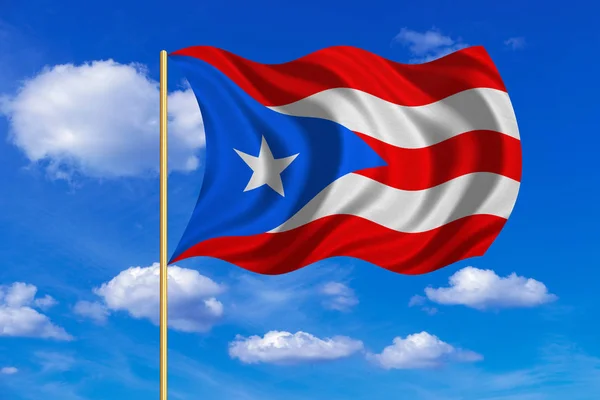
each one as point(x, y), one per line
point(8, 370)
point(278, 347)
point(421, 350)
point(53, 361)
point(289, 298)
point(101, 119)
point(19, 318)
point(19, 294)
point(92, 310)
point(192, 303)
point(429, 310)
point(555, 373)
point(339, 296)
point(428, 45)
point(515, 43)
point(46, 302)
point(483, 289)
point(417, 300)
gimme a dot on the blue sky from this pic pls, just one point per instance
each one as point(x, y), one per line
point(79, 208)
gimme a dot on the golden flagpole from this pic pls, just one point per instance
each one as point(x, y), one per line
point(163, 225)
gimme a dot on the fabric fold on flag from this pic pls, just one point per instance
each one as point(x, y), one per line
point(411, 167)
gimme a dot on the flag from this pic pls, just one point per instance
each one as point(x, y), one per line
point(410, 167)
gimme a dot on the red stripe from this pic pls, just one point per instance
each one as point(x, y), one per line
point(350, 67)
point(423, 168)
point(345, 235)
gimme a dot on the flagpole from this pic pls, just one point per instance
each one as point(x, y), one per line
point(163, 225)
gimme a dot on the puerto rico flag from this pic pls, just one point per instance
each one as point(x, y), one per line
point(345, 153)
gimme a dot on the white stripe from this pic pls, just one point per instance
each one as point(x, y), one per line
point(411, 211)
point(410, 127)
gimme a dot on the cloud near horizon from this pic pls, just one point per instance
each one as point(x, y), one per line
point(421, 350)
point(484, 289)
point(19, 318)
point(279, 347)
point(193, 306)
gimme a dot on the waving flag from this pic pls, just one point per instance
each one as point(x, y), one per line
point(345, 153)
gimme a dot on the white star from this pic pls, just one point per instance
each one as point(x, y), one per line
point(266, 170)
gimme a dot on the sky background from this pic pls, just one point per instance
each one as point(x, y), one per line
point(79, 216)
